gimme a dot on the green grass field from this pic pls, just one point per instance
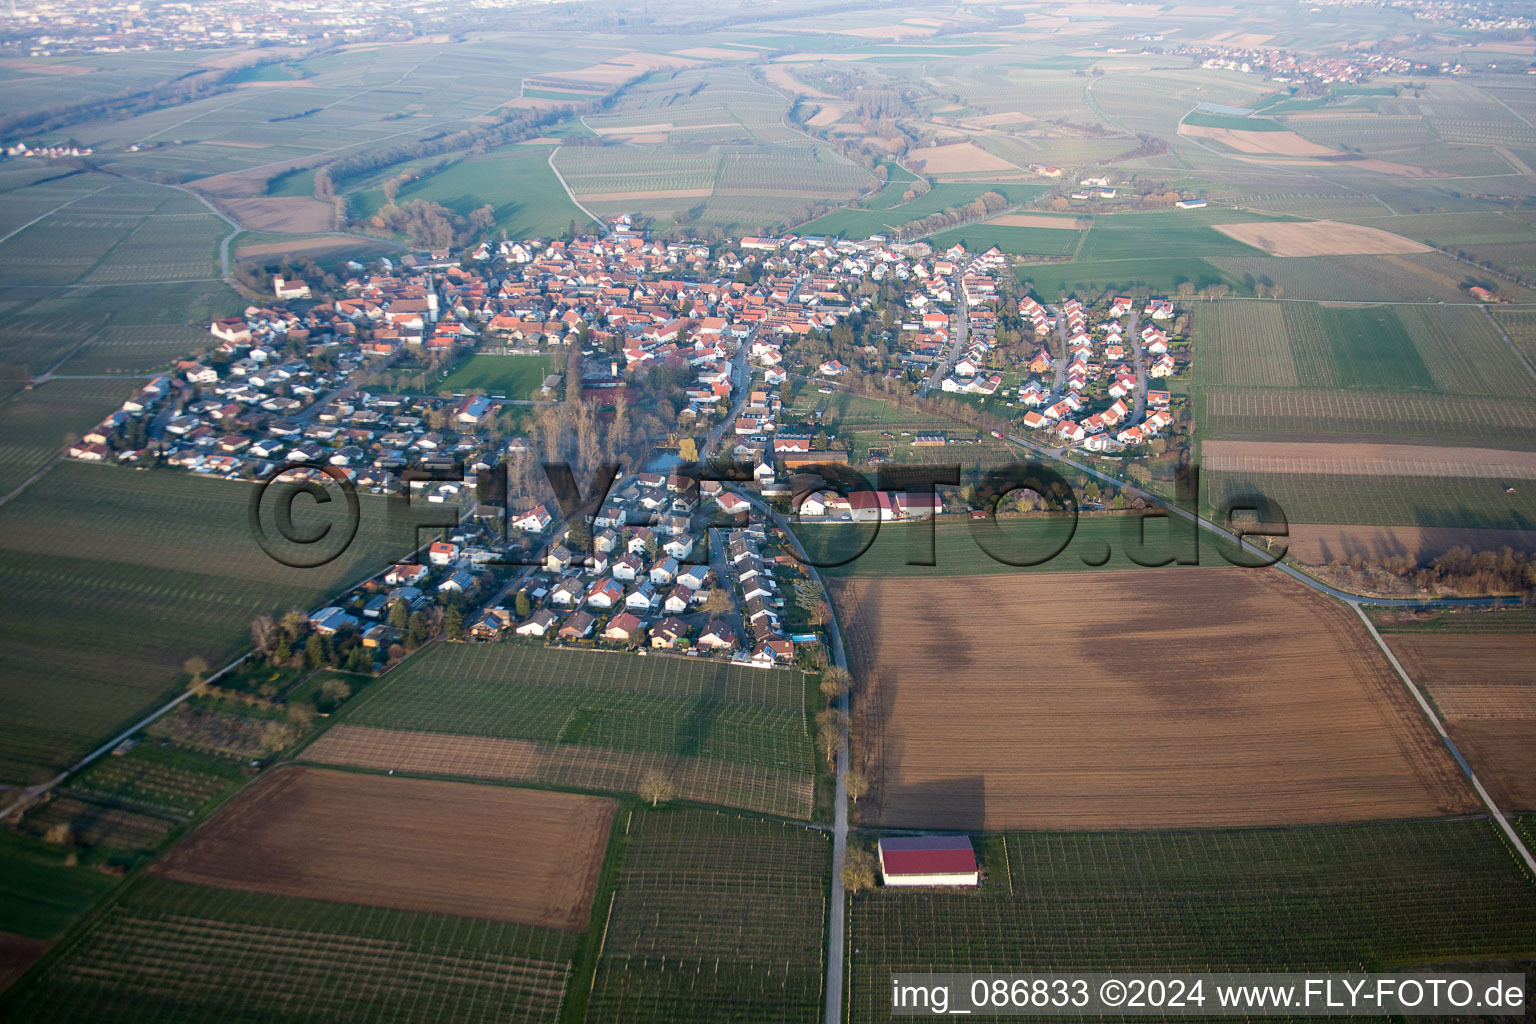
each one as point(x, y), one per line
point(175, 953)
point(1358, 898)
point(957, 553)
point(39, 894)
point(1455, 621)
point(887, 212)
point(1430, 501)
point(696, 712)
point(516, 180)
point(116, 577)
point(500, 376)
point(715, 917)
point(1162, 234)
point(1155, 275)
point(1018, 241)
point(1371, 349)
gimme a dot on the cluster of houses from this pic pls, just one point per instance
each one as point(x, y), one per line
point(1094, 352)
point(660, 585)
point(293, 383)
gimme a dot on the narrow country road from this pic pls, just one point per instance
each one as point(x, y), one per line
point(837, 910)
point(1058, 358)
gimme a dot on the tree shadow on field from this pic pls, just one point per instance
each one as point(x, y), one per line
point(959, 804)
point(702, 716)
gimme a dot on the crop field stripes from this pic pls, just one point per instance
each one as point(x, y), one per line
point(1409, 500)
point(713, 910)
point(189, 953)
point(703, 780)
point(1311, 414)
point(1350, 897)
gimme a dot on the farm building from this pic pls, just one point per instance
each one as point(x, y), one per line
point(928, 860)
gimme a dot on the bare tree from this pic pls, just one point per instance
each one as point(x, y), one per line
point(860, 870)
point(658, 787)
point(829, 734)
point(835, 682)
point(717, 602)
point(197, 668)
point(857, 783)
point(264, 634)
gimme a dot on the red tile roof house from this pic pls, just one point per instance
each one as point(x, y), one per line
point(928, 860)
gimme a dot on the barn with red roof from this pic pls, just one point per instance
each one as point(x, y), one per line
point(928, 860)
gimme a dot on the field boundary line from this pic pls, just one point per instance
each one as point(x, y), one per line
point(1439, 727)
point(1507, 340)
point(572, 195)
point(44, 216)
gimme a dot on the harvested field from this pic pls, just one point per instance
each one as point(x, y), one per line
point(1042, 220)
point(1503, 753)
point(294, 215)
point(959, 158)
point(315, 247)
point(17, 953)
point(1365, 459)
point(785, 79)
point(1266, 143)
point(1321, 543)
point(523, 856)
point(1485, 689)
point(712, 53)
point(1255, 702)
point(486, 757)
point(826, 115)
point(1320, 238)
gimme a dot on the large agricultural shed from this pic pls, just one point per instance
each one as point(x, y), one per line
point(928, 860)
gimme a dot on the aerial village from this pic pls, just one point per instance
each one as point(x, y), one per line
point(665, 563)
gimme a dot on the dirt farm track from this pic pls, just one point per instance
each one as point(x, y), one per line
point(492, 852)
point(1135, 699)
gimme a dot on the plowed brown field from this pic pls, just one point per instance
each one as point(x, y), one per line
point(1131, 699)
point(492, 852)
point(17, 953)
point(1485, 688)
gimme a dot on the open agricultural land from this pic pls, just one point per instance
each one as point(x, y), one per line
point(1482, 687)
point(173, 951)
point(1201, 769)
point(1394, 896)
point(523, 856)
point(966, 547)
point(1363, 418)
point(713, 916)
point(587, 720)
point(163, 568)
point(1297, 720)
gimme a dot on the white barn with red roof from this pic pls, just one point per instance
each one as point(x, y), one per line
point(928, 860)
